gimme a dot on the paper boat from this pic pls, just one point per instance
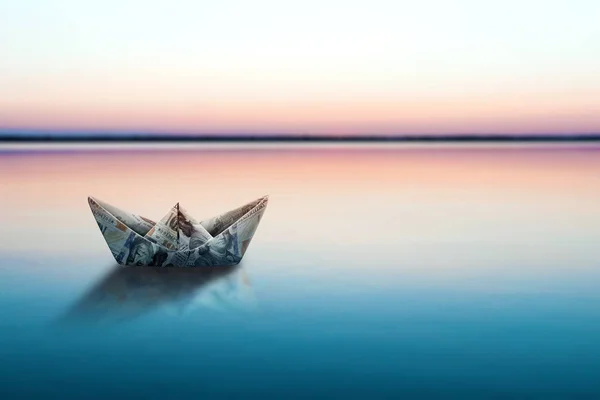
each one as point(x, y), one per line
point(178, 240)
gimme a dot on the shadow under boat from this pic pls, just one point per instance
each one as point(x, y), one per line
point(126, 293)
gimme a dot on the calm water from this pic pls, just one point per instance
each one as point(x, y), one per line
point(376, 272)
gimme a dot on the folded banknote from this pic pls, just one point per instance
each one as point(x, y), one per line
point(178, 240)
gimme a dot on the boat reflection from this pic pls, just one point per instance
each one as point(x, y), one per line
point(129, 292)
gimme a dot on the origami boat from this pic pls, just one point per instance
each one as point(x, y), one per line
point(178, 240)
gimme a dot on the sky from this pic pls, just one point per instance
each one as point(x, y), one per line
point(312, 66)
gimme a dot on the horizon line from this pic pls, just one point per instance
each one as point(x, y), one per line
point(37, 137)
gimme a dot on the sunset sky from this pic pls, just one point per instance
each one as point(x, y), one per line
point(311, 66)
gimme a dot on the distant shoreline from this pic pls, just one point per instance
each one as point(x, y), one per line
point(40, 138)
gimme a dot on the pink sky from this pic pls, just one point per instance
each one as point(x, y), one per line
point(328, 67)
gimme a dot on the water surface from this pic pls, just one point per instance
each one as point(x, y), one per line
point(449, 271)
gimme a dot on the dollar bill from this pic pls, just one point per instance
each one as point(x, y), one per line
point(199, 236)
point(191, 234)
point(221, 222)
point(164, 233)
point(247, 226)
point(185, 215)
point(224, 249)
point(114, 231)
point(137, 223)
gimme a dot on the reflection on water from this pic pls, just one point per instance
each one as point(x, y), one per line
point(128, 292)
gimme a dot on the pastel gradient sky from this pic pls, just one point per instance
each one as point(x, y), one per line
point(311, 66)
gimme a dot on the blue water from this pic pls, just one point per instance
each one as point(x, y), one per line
point(490, 311)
